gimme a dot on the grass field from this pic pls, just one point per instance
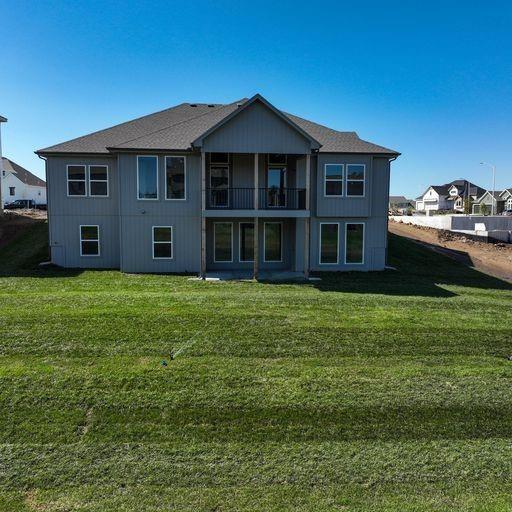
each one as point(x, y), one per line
point(381, 391)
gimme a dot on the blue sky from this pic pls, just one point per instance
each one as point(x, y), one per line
point(433, 81)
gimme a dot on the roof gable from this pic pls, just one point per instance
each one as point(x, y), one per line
point(22, 174)
point(260, 117)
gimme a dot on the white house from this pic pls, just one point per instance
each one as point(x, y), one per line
point(450, 196)
point(2, 120)
point(18, 183)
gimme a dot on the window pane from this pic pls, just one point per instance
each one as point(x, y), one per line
point(354, 249)
point(175, 177)
point(76, 172)
point(355, 188)
point(90, 248)
point(219, 177)
point(89, 232)
point(247, 241)
point(76, 188)
point(98, 188)
point(219, 158)
point(162, 234)
point(98, 172)
point(273, 242)
point(147, 177)
point(162, 250)
point(334, 171)
point(355, 172)
point(276, 158)
point(333, 188)
point(223, 241)
point(329, 243)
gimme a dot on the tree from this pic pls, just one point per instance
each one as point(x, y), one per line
point(468, 206)
point(484, 209)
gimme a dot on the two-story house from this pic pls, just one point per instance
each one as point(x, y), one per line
point(451, 196)
point(202, 187)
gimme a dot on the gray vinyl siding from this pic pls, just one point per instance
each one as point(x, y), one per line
point(66, 214)
point(139, 216)
point(343, 206)
point(257, 130)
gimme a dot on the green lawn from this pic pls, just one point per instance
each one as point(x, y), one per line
point(381, 391)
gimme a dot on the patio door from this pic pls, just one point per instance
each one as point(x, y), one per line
point(219, 186)
point(276, 187)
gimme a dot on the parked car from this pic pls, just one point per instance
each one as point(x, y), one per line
point(507, 213)
point(20, 203)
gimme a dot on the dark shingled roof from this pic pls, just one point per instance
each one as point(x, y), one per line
point(22, 174)
point(177, 127)
point(3, 119)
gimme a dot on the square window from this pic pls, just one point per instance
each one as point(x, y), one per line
point(333, 180)
point(76, 175)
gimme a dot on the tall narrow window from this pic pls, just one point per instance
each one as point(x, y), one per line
point(329, 243)
point(272, 240)
point(219, 185)
point(147, 177)
point(354, 243)
point(246, 241)
point(333, 183)
point(355, 179)
point(223, 241)
point(12, 191)
point(89, 241)
point(162, 242)
point(175, 177)
point(98, 180)
point(76, 180)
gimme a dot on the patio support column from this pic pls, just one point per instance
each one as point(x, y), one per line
point(306, 220)
point(256, 256)
point(203, 218)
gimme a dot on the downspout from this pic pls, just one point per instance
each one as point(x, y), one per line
point(387, 212)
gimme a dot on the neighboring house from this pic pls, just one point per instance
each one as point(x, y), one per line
point(450, 196)
point(202, 187)
point(2, 120)
point(400, 203)
point(18, 183)
point(502, 200)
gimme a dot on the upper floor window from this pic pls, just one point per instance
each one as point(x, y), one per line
point(89, 240)
point(175, 178)
point(79, 175)
point(333, 182)
point(98, 180)
point(12, 191)
point(355, 179)
point(147, 177)
point(77, 180)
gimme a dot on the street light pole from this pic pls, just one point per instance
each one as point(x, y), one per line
point(493, 167)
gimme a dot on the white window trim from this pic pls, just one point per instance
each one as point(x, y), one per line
point(157, 179)
point(509, 203)
point(240, 243)
point(184, 177)
point(82, 240)
point(265, 237)
point(342, 179)
point(214, 244)
point(89, 181)
point(229, 183)
point(153, 243)
point(337, 245)
point(84, 180)
point(364, 248)
point(357, 181)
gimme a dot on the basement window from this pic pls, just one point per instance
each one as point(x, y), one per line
point(162, 242)
point(89, 241)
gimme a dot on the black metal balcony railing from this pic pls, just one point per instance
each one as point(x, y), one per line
point(268, 198)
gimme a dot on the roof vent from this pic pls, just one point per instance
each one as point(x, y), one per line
point(193, 104)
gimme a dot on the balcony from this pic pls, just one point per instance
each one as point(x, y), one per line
point(268, 199)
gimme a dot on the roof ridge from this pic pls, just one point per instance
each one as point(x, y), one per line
point(216, 109)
